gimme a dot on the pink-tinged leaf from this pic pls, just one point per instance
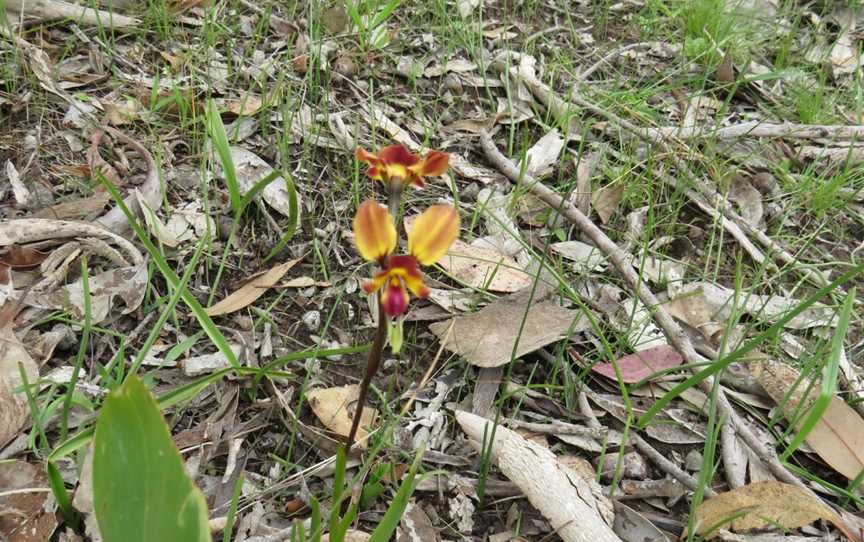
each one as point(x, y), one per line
point(639, 366)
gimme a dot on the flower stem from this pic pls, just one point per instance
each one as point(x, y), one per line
point(372, 364)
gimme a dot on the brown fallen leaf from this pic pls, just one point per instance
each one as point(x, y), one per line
point(335, 408)
point(838, 436)
point(25, 516)
point(245, 106)
point(606, 200)
point(14, 359)
point(304, 282)
point(761, 505)
point(22, 257)
point(487, 338)
point(252, 290)
point(79, 208)
point(480, 267)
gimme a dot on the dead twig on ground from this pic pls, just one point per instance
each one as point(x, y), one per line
point(674, 334)
point(653, 455)
point(758, 129)
point(711, 201)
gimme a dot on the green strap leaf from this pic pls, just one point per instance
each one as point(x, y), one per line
point(140, 488)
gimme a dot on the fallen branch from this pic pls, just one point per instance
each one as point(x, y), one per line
point(563, 498)
point(52, 10)
point(620, 259)
point(711, 201)
point(759, 129)
point(719, 205)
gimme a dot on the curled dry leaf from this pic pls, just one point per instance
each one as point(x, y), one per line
point(487, 338)
point(543, 155)
point(26, 515)
point(838, 436)
point(19, 190)
point(416, 526)
point(335, 408)
point(748, 199)
point(209, 363)
point(707, 306)
point(761, 505)
point(587, 258)
point(481, 267)
point(127, 283)
point(632, 526)
point(252, 290)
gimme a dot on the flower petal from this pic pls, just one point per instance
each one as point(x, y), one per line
point(374, 232)
point(433, 233)
point(394, 299)
point(374, 173)
point(365, 156)
point(408, 269)
point(398, 154)
point(376, 282)
point(433, 164)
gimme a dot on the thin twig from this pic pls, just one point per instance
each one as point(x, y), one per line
point(760, 129)
point(674, 334)
point(649, 451)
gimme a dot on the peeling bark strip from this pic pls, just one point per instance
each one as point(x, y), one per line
point(565, 499)
point(49, 10)
point(151, 189)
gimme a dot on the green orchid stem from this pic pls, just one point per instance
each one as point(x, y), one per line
point(377, 350)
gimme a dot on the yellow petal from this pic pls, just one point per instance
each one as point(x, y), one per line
point(433, 233)
point(374, 232)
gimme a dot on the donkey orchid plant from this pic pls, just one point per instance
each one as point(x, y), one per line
point(376, 237)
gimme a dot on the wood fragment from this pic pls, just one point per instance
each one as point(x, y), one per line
point(485, 389)
point(759, 129)
point(560, 494)
point(52, 10)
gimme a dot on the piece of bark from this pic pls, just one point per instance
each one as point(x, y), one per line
point(115, 220)
point(485, 389)
point(564, 498)
point(49, 10)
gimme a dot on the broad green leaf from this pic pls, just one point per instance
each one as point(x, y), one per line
point(140, 488)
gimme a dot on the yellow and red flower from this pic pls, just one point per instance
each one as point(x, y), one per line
point(397, 164)
point(428, 241)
